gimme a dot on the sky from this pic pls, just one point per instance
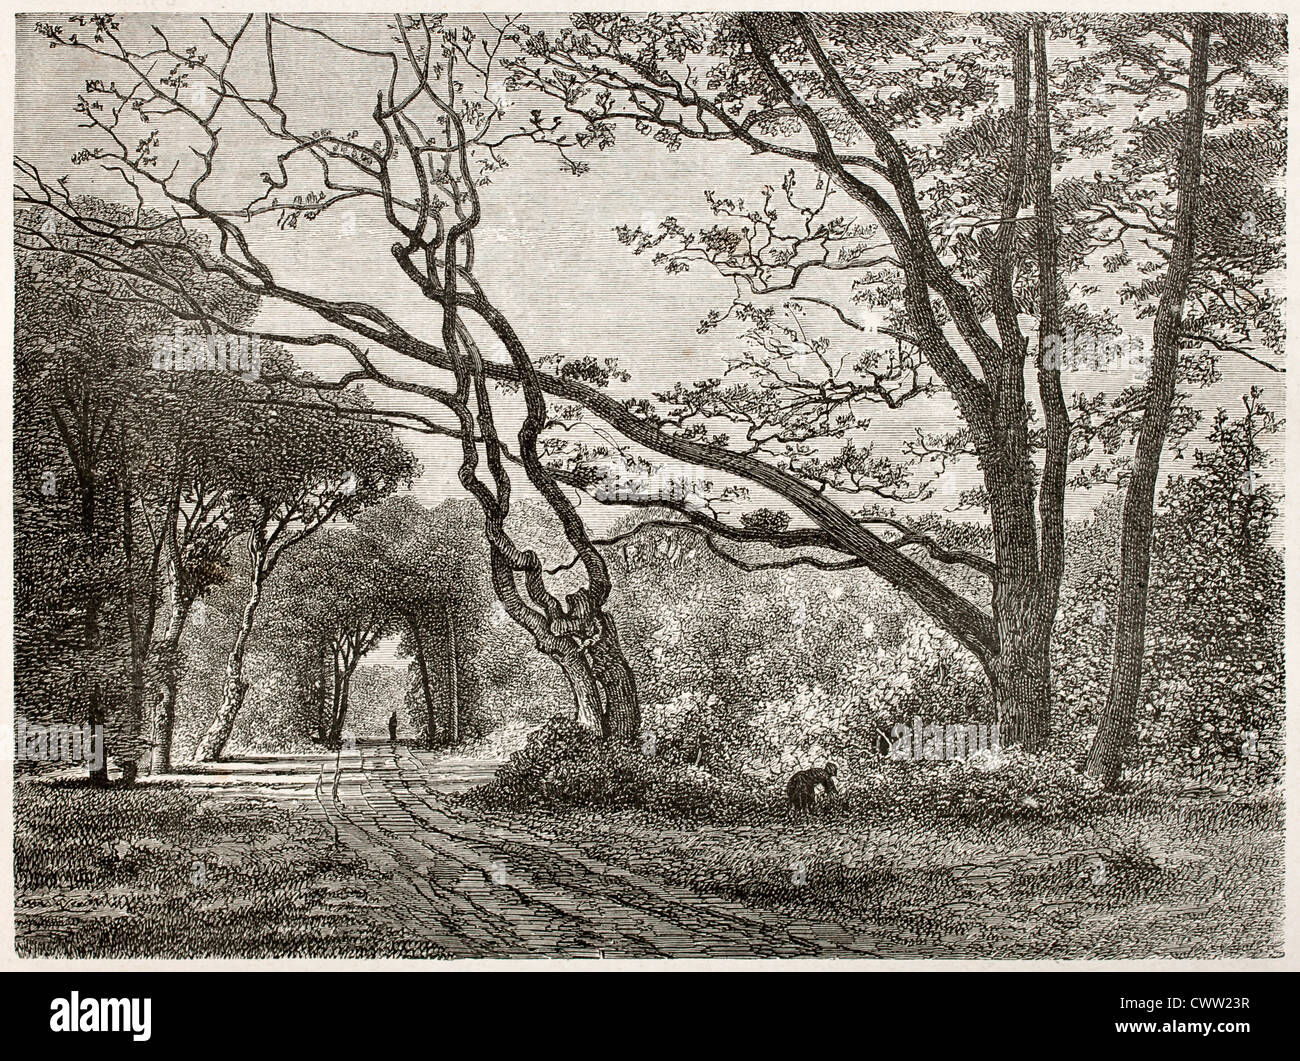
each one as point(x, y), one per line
point(547, 252)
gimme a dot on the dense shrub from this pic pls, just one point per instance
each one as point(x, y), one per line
point(564, 765)
point(1212, 707)
point(1006, 785)
point(756, 675)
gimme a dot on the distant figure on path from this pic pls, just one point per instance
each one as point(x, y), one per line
point(392, 727)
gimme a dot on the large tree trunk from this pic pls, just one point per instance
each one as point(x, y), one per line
point(94, 702)
point(1116, 729)
point(1021, 674)
point(1023, 602)
point(1028, 537)
point(588, 709)
point(604, 688)
point(214, 741)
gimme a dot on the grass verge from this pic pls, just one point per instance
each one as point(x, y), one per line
point(1146, 879)
point(164, 871)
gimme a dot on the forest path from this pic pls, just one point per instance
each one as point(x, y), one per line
point(479, 888)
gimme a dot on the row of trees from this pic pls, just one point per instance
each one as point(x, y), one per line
point(181, 470)
point(995, 170)
point(959, 269)
point(140, 487)
point(399, 571)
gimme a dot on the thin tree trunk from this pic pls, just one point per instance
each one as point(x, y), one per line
point(336, 698)
point(164, 714)
point(95, 716)
point(214, 741)
point(343, 683)
point(138, 647)
point(422, 664)
point(1056, 456)
point(164, 726)
point(134, 716)
point(1116, 729)
point(94, 703)
point(453, 682)
point(322, 683)
point(343, 706)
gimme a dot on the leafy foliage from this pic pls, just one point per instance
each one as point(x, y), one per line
point(1212, 709)
point(565, 765)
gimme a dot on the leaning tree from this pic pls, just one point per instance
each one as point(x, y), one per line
point(291, 475)
point(997, 174)
point(422, 135)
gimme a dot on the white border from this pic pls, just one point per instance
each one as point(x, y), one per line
point(8, 958)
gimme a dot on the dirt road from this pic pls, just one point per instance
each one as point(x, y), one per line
point(482, 889)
